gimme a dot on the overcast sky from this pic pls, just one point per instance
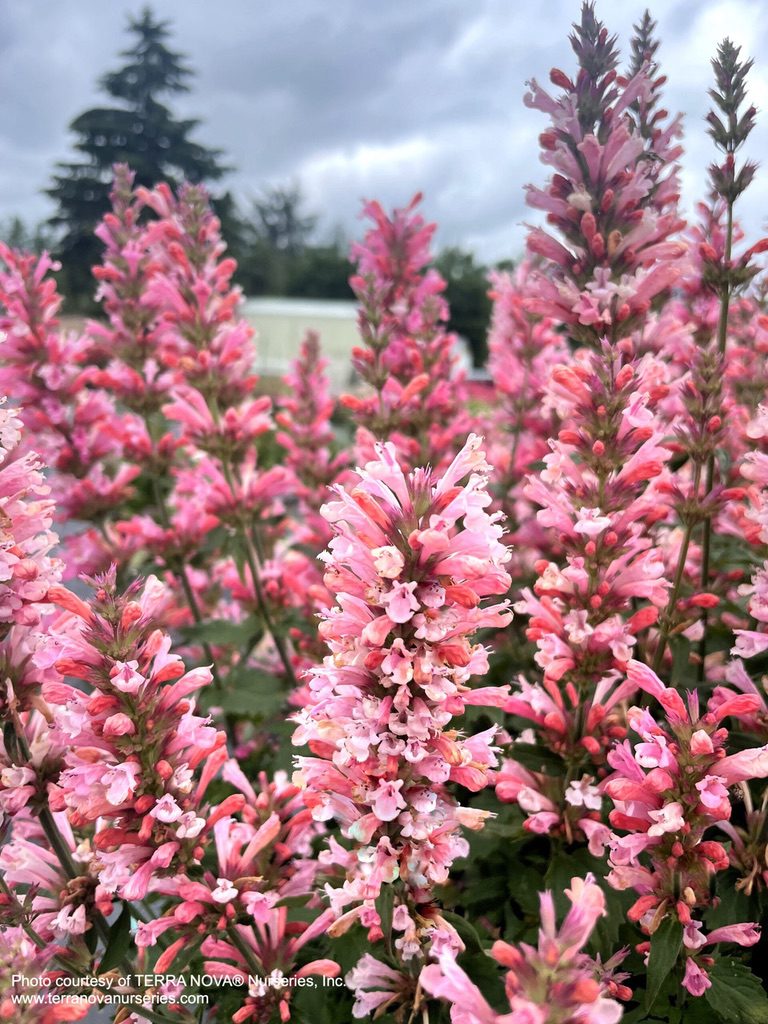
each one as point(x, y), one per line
point(363, 98)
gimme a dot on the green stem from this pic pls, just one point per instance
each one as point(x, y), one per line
point(244, 950)
point(252, 561)
point(706, 540)
point(194, 608)
point(666, 626)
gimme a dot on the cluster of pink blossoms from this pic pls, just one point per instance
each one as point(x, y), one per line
point(628, 469)
point(72, 424)
point(133, 741)
point(26, 540)
point(612, 196)
point(65, 902)
point(668, 789)
point(306, 434)
point(409, 364)
point(413, 557)
point(753, 522)
point(234, 913)
point(553, 983)
point(523, 351)
point(587, 613)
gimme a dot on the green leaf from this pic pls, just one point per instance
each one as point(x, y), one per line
point(248, 692)
point(666, 942)
point(537, 759)
point(119, 941)
point(465, 930)
point(640, 1016)
point(222, 632)
point(681, 659)
point(256, 702)
point(736, 995)
point(385, 902)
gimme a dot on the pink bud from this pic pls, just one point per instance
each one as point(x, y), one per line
point(119, 725)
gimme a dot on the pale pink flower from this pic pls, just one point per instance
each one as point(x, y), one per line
point(400, 666)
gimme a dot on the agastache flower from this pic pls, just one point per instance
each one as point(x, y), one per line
point(523, 351)
point(588, 610)
point(61, 906)
point(408, 363)
point(547, 984)
point(75, 427)
point(668, 789)
point(26, 539)
point(138, 759)
point(306, 433)
point(199, 330)
point(267, 952)
point(380, 721)
point(612, 196)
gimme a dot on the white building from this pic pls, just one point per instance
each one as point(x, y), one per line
point(281, 324)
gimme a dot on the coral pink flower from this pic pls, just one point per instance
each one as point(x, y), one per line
point(134, 744)
point(667, 791)
point(612, 196)
point(400, 665)
point(26, 515)
point(553, 982)
point(267, 952)
point(409, 363)
point(587, 609)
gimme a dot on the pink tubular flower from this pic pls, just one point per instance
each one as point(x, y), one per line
point(133, 744)
point(401, 659)
point(22, 962)
point(218, 468)
point(59, 908)
point(267, 952)
point(751, 642)
point(29, 755)
point(667, 791)
point(198, 332)
point(553, 982)
point(306, 434)
point(596, 496)
point(263, 857)
point(408, 362)
point(26, 515)
point(612, 196)
point(523, 351)
point(74, 425)
point(377, 987)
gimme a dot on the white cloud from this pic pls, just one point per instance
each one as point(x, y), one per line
point(361, 99)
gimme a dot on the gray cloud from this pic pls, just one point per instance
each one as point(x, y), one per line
point(355, 98)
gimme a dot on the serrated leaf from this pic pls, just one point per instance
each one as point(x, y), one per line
point(666, 943)
point(119, 941)
point(736, 994)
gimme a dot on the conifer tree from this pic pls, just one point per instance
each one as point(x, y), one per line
point(138, 129)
